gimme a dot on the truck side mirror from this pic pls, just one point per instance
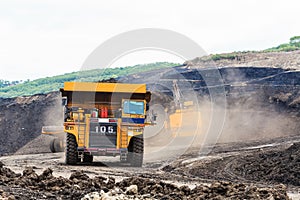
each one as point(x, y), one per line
point(64, 101)
point(154, 116)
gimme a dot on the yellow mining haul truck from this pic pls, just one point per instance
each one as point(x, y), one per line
point(105, 119)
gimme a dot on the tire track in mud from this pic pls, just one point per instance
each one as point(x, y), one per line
point(234, 163)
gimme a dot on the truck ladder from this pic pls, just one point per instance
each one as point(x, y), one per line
point(124, 137)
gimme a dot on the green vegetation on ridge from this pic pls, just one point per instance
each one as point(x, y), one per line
point(293, 45)
point(49, 84)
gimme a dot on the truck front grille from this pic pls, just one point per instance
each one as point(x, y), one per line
point(103, 135)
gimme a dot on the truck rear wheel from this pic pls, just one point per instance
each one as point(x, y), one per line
point(136, 151)
point(52, 148)
point(71, 150)
point(56, 146)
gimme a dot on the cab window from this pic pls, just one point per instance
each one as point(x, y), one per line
point(133, 107)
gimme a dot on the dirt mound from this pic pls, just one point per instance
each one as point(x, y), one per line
point(22, 118)
point(275, 166)
point(217, 190)
point(40, 144)
point(79, 185)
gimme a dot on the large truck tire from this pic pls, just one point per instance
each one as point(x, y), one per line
point(136, 151)
point(71, 150)
point(52, 148)
point(56, 145)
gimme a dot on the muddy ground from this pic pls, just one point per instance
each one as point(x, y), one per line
point(253, 170)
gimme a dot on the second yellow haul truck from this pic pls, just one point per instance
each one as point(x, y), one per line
point(105, 119)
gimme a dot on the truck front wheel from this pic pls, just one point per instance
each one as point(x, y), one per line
point(136, 151)
point(71, 150)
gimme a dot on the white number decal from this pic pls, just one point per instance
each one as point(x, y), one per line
point(110, 129)
point(105, 129)
point(102, 129)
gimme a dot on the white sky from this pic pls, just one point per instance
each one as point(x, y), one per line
point(40, 38)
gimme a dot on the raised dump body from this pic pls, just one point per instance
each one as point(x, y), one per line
point(105, 119)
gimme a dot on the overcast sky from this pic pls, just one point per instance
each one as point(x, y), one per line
point(46, 37)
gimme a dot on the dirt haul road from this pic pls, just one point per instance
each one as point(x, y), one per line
point(229, 171)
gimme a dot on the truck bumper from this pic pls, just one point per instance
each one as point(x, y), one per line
point(103, 151)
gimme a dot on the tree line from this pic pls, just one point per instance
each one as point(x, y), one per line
point(49, 84)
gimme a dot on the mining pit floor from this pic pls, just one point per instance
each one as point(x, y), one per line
point(245, 166)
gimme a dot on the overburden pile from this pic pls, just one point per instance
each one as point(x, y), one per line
point(274, 166)
point(80, 186)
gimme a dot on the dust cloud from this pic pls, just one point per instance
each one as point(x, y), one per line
point(202, 126)
point(245, 120)
point(248, 115)
point(53, 116)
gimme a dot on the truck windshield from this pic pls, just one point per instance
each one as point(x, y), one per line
point(133, 107)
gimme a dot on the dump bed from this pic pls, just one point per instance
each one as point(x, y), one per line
point(98, 95)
